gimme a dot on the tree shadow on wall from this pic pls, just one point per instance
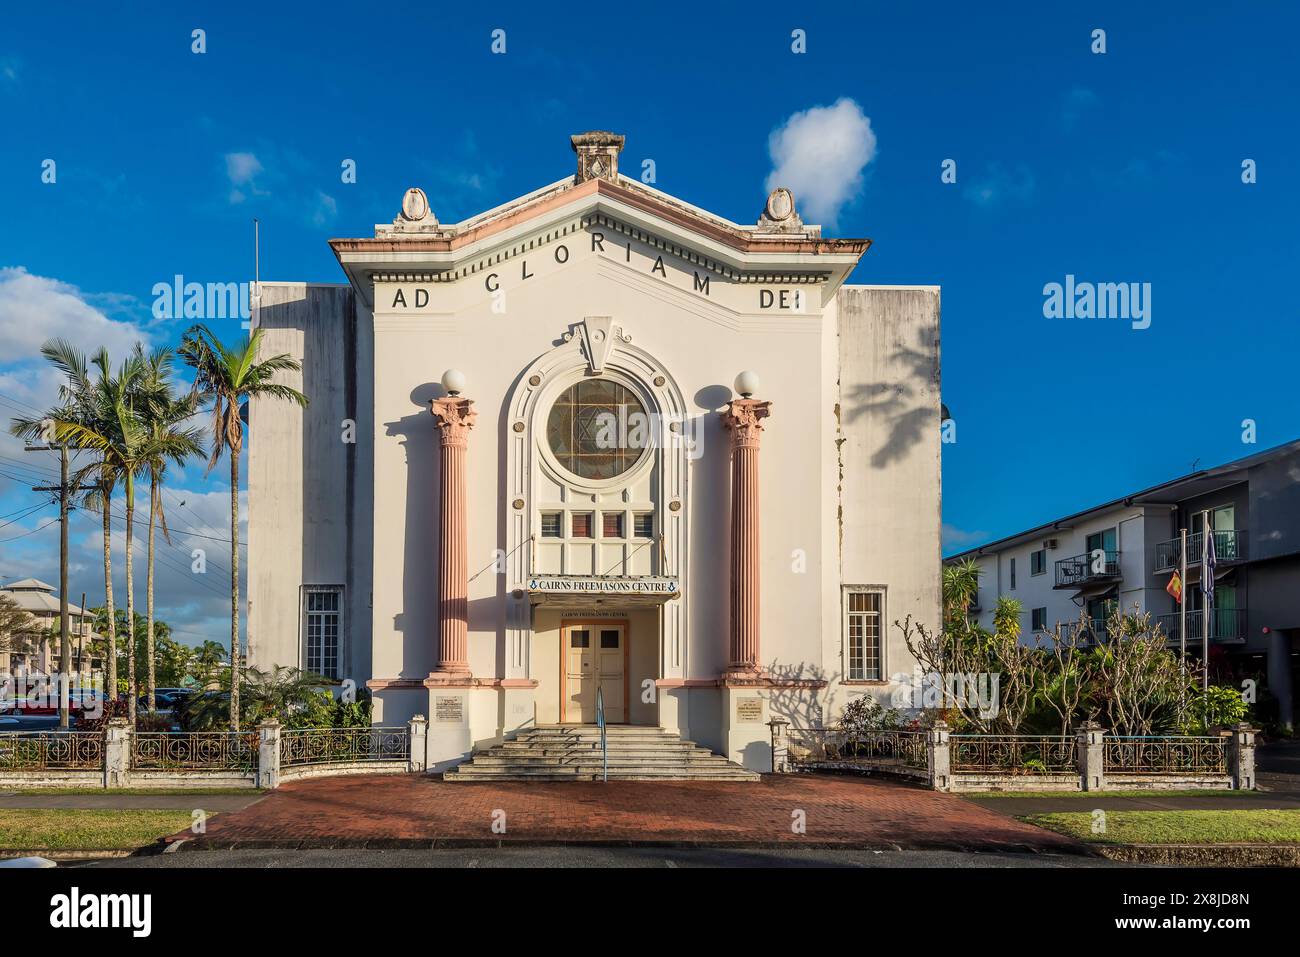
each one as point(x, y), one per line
point(906, 408)
point(799, 706)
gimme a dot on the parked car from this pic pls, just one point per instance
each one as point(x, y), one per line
point(168, 699)
point(79, 703)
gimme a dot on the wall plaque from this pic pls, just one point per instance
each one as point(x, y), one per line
point(449, 709)
point(749, 710)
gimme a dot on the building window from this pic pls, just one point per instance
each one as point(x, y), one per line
point(643, 525)
point(863, 611)
point(323, 624)
point(1013, 574)
point(611, 524)
point(1038, 619)
point(551, 527)
point(1038, 562)
point(597, 429)
point(581, 525)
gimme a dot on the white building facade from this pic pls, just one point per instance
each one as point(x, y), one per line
point(525, 487)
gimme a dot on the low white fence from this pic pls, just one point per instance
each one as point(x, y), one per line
point(121, 757)
point(1089, 760)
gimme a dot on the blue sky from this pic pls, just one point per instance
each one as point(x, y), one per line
point(1117, 167)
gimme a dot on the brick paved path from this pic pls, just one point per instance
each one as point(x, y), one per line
point(416, 811)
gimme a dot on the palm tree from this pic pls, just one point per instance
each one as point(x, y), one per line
point(106, 423)
point(226, 378)
point(164, 416)
point(73, 392)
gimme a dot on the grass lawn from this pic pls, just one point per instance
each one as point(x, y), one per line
point(172, 791)
point(1109, 792)
point(1178, 827)
point(58, 829)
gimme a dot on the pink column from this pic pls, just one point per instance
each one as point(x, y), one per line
point(744, 417)
point(455, 419)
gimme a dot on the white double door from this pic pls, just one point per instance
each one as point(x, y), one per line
point(595, 656)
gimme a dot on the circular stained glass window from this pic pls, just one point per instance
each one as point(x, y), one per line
point(597, 429)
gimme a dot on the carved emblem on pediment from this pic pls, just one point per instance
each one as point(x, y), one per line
point(779, 214)
point(415, 215)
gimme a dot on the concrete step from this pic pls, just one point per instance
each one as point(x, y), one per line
point(573, 753)
point(467, 774)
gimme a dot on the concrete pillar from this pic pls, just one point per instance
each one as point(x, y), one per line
point(268, 754)
point(1279, 675)
point(1091, 756)
point(939, 751)
point(455, 418)
point(780, 745)
point(417, 737)
point(117, 753)
point(1241, 757)
point(744, 417)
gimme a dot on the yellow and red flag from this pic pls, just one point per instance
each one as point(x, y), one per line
point(1175, 588)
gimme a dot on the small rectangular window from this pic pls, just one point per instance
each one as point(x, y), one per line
point(580, 639)
point(551, 525)
point(611, 524)
point(609, 638)
point(323, 623)
point(863, 612)
point(1013, 573)
point(644, 525)
point(581, 526)
point(1038, 619)
point(1038, 562)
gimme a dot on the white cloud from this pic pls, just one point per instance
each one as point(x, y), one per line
point(242, 169)
point(820, 155)
point(955, 538)
point(1077, 101)
point(327, 208)
point(998, 184)
point(36, 308)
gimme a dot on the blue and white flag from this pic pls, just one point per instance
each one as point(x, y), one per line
point(1207, 565)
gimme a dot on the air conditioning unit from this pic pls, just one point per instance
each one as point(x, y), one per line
point(1049, 543)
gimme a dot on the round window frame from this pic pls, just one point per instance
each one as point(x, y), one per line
point(546, 402)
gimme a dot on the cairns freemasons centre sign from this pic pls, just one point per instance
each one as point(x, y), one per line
point(653, 589)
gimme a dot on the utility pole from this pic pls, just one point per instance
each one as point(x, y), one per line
point(65, 624)
point(81, 637)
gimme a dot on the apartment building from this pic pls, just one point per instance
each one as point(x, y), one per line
point(1075, 569)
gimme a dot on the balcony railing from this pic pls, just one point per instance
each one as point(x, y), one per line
point(1086, 632)
point(1226, 624)
point(1229, 546)
point(1085, 568)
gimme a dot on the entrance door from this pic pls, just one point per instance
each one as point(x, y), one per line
point(594, 657)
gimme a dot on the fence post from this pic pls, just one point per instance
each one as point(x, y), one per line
point(780, 745)
point(1091, 756)
point(416, 735)
point(268, 754)
point(939, 756)
point(1241, 757)
point(117, 753)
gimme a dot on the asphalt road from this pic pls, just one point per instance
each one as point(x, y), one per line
point(618, 857)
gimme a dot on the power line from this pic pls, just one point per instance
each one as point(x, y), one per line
point(32, 532)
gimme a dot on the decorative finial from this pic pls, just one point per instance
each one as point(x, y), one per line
point(597, 155)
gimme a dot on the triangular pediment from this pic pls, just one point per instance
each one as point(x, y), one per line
point(779, 248)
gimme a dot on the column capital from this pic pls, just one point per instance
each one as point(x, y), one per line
point(744, 417)
point(455, 417)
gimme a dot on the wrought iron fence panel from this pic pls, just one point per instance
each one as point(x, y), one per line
point(194, 750)
point(341, 745)
point(840, 748)
point(61, 750)
point(1164, 755)
point(1013, 754)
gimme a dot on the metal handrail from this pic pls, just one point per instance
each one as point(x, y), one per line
point(600, 720)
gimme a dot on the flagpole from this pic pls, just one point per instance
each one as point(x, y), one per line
point(1182, 620)
point(1207, 544)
